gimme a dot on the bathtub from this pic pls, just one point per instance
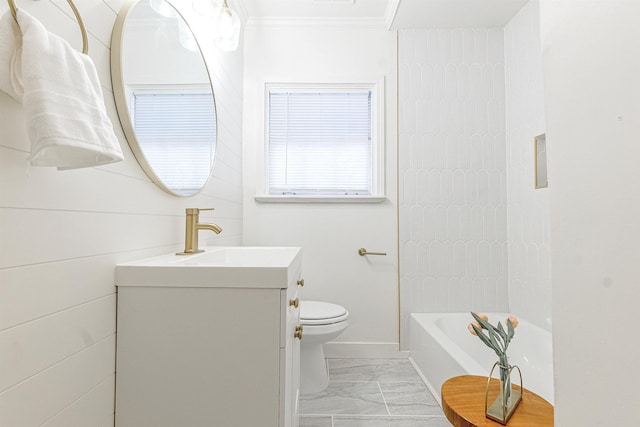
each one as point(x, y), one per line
point(442, 347)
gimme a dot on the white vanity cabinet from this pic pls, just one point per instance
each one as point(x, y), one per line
point(222, 353)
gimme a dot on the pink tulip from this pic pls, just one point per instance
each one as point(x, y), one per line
point(514, 321)
point(470, 327)
point(482, 316)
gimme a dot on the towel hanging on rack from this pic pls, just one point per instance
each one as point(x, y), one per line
point(83, 30)
point(10, 53)
point(65, 115)
point(11, 45)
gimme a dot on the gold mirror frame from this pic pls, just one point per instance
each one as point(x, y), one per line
point(120, 97)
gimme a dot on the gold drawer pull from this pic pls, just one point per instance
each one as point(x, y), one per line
point(301, 282)
point(298, 332)
point(294, 302)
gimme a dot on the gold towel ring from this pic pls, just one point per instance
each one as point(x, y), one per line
point(83, 30)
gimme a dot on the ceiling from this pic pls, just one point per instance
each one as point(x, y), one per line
point(394, 14)
point(314, 8)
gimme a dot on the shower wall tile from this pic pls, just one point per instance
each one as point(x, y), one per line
point(453, 228)
point(528, 210)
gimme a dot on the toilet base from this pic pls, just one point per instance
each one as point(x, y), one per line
point(314, 376)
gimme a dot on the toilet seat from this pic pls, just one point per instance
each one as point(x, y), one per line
point(321, 313)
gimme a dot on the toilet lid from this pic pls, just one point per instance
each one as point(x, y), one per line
point(321, 313)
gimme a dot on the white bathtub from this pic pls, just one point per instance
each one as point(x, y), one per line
point(442, 347)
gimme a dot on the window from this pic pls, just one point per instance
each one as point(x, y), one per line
point(177, 134)
point(322, 142)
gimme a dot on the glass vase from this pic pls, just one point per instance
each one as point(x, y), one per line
point(508, 397)
point(505, 380)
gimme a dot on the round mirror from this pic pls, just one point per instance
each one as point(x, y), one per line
point(164, 96)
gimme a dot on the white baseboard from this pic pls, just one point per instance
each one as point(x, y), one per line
point(364, 350)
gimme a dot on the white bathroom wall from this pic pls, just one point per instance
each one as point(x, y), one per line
point(61, 234)
point(591, 59)
point(452, 169)
point(527, 208)
point(329, 233)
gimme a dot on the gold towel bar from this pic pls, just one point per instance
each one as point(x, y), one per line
point(83, 30)
point(363, 252)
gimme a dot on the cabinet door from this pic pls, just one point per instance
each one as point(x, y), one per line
point(198, 357)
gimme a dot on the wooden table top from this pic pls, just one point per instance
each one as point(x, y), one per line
point(463, 404)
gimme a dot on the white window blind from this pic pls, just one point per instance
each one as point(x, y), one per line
point(320, 143)
point(177, 133)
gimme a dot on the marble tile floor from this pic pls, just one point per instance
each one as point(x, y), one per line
point(372, 393)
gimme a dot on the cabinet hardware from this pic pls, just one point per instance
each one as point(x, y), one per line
point(301, 282)
point(363, 252)
point(298, 332)
point(294, 302)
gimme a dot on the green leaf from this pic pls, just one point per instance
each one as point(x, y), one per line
point(502, 332)
point(478, 331)
point(511, 330)
point(482, 336)
point(492, 334)
point(492, 337)
point(482, 322)
point(477, 318)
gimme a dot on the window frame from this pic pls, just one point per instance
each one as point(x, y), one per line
point(377, 142)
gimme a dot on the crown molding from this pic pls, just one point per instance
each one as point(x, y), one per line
point(335, 23)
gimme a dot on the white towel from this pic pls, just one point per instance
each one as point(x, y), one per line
point(66, 118)
point(10, 52)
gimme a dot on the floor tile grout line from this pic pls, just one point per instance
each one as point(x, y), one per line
point(383, 398)
point(336, 417)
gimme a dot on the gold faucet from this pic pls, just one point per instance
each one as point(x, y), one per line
point(193, 225)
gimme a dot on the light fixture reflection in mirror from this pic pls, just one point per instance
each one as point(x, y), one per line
point(226, 28)
point(164, 97)
point(205, 7)
point(186, 36)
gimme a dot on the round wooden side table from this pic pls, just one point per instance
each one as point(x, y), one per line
point(463, 404)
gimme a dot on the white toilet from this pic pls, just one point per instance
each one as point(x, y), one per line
point(321, 322)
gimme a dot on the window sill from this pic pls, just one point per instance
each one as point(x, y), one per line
point(319, 199)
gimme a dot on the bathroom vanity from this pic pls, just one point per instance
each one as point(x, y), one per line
point(211, 339)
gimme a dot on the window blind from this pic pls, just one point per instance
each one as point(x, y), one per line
point(177, 133)
point(320, 143)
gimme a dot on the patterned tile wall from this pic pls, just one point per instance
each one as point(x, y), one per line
point(528, 208)
point(453, 200)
